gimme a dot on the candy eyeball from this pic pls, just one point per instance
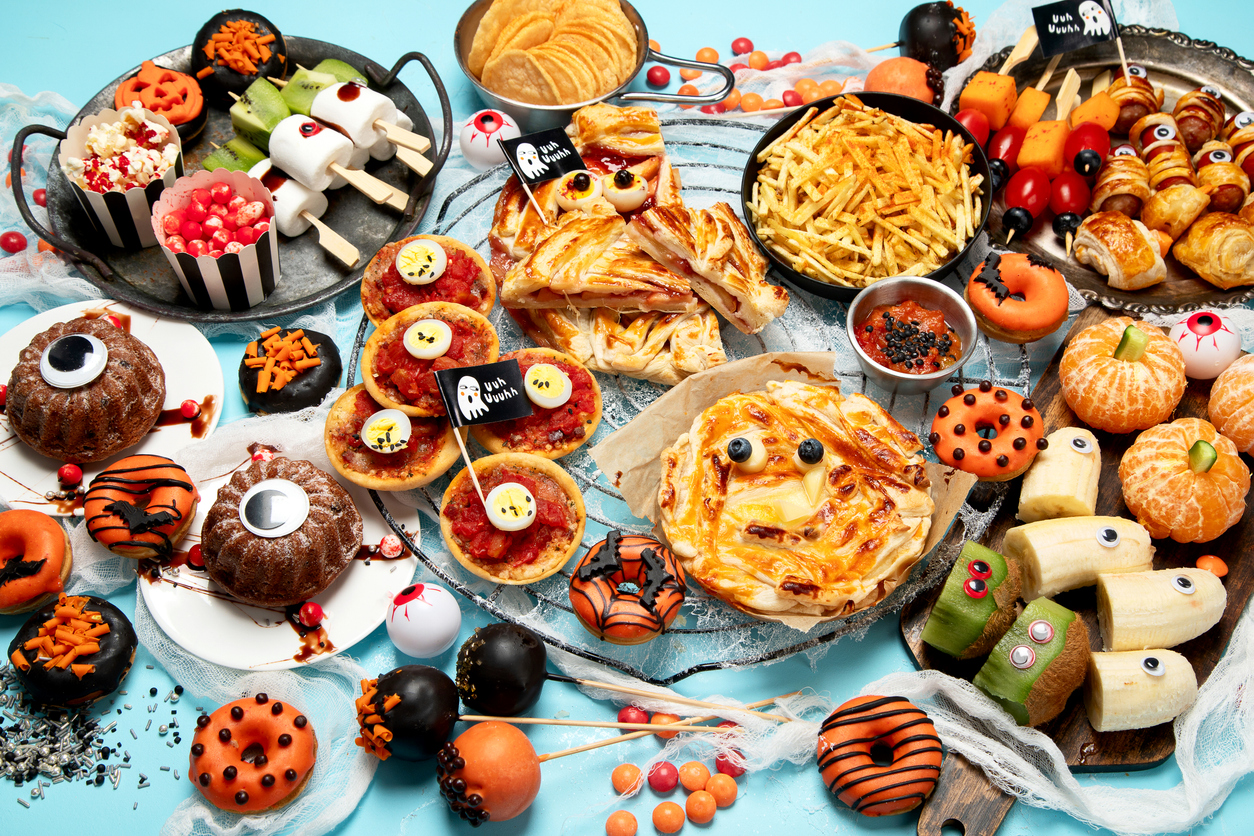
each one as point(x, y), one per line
point(424, 620)
point(1219, 155)
point(625, 190)
point(1137, 71)
point(1210, 343)
point(428, 339)
point(479, 135)
point(1242, 120)
point(421, 261)
point(577, 189)
point(547, 385)
point(1124, 151)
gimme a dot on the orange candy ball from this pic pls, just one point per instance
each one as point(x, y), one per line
point(733, 99)
point(805, 84)
point(831, 87)
point(723, 788)
point(750, 102)
point(620, 823)
point(668, 817)
point(626, 777)
point(700, 807)
point(772, 104)
point(689, 75)
point(707, 54)
point(810, 95)
point(758, 60)
point(693, 775)
point(1209, 562)
point(653, 45)
point(661, 719)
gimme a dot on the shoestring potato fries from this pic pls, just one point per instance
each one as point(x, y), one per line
point(854, 194)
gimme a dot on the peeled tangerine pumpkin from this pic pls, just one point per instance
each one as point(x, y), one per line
point(172, 94)
point(1231, 406)
point(1185, 481)
point(1121, 375)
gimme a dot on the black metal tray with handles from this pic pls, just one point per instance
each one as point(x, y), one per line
point(1178, 64)
point(309, 275)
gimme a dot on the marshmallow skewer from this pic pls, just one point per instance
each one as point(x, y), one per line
point(313, 154)
point(297, 207)
point(366, 117)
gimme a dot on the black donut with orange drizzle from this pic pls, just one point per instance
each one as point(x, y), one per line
point(626, 617)
point(848, 766)
point(141, 507)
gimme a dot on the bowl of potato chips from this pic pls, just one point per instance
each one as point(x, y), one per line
point(541, 60)
point(856, 188)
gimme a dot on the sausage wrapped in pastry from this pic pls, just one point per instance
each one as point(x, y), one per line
point(1169, 165)
point(1238, 132)
point(1173, 209)
point(1200, 117)
point(1228, 184)
point(1121, 249)
point(1151, 131)
point(1135, 96)
point(1122, 184)
point(1220, 249)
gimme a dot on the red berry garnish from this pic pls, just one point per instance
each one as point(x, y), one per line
point(742, 46)
point(70, 475)
point(12, 242)
point(632, 714)
point(658, 76)
point(189, 409)
point(113, 320)
point(663, 777)
point(311, 614)
point(41, 197)
point(196, 557)
point(221, 192)
point(263, 455)
point(4, 395)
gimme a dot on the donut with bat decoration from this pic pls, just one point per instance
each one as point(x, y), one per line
point(627, 589)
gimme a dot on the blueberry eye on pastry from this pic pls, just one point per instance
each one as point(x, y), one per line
point(625, 190)
point(577, 189)
point(748, 454)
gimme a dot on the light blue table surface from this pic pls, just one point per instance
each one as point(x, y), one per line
point(74, 48)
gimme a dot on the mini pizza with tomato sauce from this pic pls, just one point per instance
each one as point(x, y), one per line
point(425, 268)
point(400, 359)
point(565, 403)
point(531, 525)
point(385, 449)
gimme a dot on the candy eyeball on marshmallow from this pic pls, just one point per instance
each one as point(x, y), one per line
point(577, 189)
point(479, 135)
point(625, 190)
point(424, 620)
point(1210, 343)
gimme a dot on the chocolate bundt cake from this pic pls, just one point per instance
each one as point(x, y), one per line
point(93, 420)
point(260, 542)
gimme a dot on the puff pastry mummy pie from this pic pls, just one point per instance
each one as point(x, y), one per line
point(759, 541)
point(659, 347)
point(627, 131)
point(588, 261)
point(711, 248)
point(1220, 248)
point(1120, 249)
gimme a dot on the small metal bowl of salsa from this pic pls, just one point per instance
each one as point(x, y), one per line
point(916, 324)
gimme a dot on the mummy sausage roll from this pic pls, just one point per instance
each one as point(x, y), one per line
point(1229, 185)
point(1157, 138)
point(1239, 133)
point(1136, 97)
point(292, 200)
point(1122, 183)
point(1200, 116)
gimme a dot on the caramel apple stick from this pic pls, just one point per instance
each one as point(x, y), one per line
point(610, 741)
point(583, 724)
point(640, 692)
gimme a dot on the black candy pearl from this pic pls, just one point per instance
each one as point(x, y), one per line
point(237, 713)
point(500, 670)
point(262, 699)
point(300, 722)
point(241, 798)
point(277, 708)
point(985, 445)
point(960, 429)
point(959, 454)
point(224, 735)
point(229, 773)
point(267, 781)
point(285, 740)
point(943, 412)
point(202, 721)
point(290, 775)
point(198, 749)
point(423, 720)
point(968, 399)
point(205, 779)
point(1020, 443)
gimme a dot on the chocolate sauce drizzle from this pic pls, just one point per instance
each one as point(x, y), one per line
point(314, 640)
point(924, 741)
point(603, 572)
point(137, 518)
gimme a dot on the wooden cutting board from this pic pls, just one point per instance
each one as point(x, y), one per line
point(964, 794)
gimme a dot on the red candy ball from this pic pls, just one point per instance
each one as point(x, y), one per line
point(70, 475)
point(735, 68)
point(41, 197)
point(4, 395)
point(12, 242)
point(202, 196)
point(195, 557)
point(722, 763)
point(189, 409)
point(632, 714)
point(742, 46)
point(791, 58)
point(311, 614)
point(196, 247)
point(113, 320)
point(714, 109)
point(791, 98)
point(663, 777)
point(221, 192)
point(658, 76)
point(196, 211)
point(190, 230)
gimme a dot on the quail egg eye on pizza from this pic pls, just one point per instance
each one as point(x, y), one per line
point(796, 501)
point(385, 449)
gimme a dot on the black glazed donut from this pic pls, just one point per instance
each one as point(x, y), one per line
point(306, 389)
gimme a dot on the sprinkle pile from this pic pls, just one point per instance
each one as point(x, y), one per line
point(237, 45)
point(286, 355)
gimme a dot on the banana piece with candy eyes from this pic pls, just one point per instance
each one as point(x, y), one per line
point(1070, 552)
point(1141, 610)
point(1136, 689)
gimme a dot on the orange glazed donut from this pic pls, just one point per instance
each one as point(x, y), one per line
point(252, 755)
point(1017, 427)
point(622, 617)
point(1017, 298)
point(35, 560)
point(850, 771)
point(140, 507)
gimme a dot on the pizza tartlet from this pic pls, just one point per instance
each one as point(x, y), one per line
point(514, 557)
point(463, 278)
point(796, 501)
point(396, 378)
point(549, 432)
point(385, 457)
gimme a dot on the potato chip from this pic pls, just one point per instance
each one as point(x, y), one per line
point(517, 75)
point(532, 29)
point(493, 24)
point(572, 80)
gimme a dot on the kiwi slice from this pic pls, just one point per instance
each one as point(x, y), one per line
point(237, 155)
point(341, 71)
point(302, 87)
point(1202, 456)
point(1132, 347)
point(976, 605)
point(258, 111)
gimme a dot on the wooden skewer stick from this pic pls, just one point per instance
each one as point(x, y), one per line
point(1101, 81)
point(370, 186)
point(277, 82)
point(883, 47)
point(403, 138)
point(333, 242)
point(1067, 94)
point(233, 95)
point(610, 741)
point(1070, 241)
point(1049, 72)
point(1009, 237)
point(1022, 51)
point(583, 724)
point(414, 160)
point(640, 692)
point(1123, 60)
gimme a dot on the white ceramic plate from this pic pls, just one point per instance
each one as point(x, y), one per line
point(204, 620)
point(25, 476)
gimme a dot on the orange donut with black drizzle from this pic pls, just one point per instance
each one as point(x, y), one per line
point(35, 560)
point(1017, 298)
point(988, 431)
point(622, 616)
point(252, 755)
point(848, 739)
point(141, 507)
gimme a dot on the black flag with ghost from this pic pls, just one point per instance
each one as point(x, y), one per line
point(1074, 24)
point(483, 394)
point(541, 156)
